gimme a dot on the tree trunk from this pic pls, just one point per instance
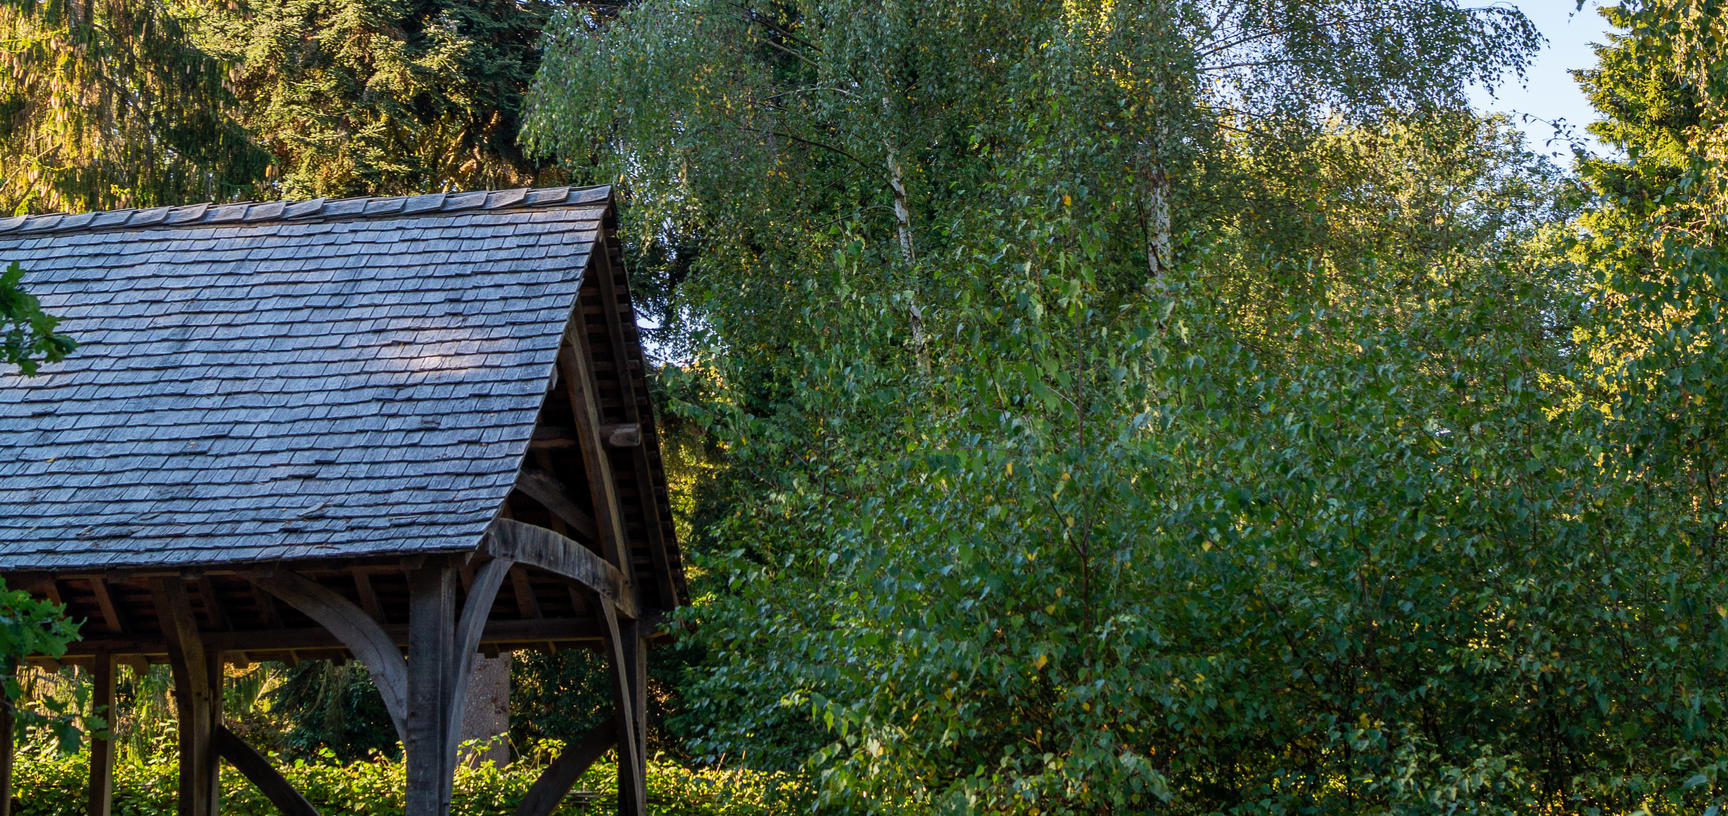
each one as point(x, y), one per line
point(908, 253)
point(1160, 246)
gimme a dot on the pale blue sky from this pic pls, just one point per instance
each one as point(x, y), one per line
point(1549, 93)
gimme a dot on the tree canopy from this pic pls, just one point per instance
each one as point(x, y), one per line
point(1171, 404)
point(1073, 407)
point(113, 103)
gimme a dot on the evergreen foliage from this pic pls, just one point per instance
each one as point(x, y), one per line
point(382, 97)
point(112, 103)
point(106, 104)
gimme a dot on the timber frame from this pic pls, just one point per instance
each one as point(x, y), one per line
point(579, 554)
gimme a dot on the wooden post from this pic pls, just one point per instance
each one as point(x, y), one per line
point(101, 801)
point(197, 696)
point(6, 746)
point(632, 769)
point(432, 659)
point(636, 658)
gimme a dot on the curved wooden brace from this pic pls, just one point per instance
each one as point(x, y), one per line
point(561, 775)
point(562, 556)
point(262, 774)
point(357, 630)
point(632, 769)
point(475, 609)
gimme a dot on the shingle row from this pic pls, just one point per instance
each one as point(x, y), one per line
point(318, 209)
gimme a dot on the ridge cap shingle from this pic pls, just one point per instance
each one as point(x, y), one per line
point(259, 212)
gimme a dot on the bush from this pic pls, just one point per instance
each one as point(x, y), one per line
point(48, 783)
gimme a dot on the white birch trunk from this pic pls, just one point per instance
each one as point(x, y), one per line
point(908, 253)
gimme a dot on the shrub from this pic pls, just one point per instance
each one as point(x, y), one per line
point(49, 783)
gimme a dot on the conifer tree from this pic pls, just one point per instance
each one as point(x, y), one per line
point(107, 103)
point(376, 97)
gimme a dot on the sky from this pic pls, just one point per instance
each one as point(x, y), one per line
point(1549, 94)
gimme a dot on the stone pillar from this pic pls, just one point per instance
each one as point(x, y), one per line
point(487, 715)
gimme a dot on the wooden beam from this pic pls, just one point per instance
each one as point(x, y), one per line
point(603, 490)
point(262, 775)
point(368, 598)
point(542, 548)
point(564, 437)
point(7, 746)
point(100, 801)
point(574, 631)
point(197, 686)
point(476, 608)
point(553, 437)
point(633, 637)
point(632, 770)
point(622, 337)
point(431, 693)
point(267, 607)
point(623, 435)
point(363, 636)
point(553, 495)
point(555, 782)
point(105, 602)
point(218, 616)
point(523, 589)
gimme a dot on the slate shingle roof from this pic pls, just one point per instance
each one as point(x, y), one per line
point(270, 381)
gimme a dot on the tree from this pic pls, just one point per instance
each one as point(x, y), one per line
point(106, 103)
point(29, 627)
point(1658, 244)
point(1140, 403)
point(382, 97)
point(35, 628)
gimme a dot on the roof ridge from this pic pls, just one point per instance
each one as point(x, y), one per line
point(317, 209)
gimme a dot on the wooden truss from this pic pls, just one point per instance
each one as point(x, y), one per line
point(579, 556)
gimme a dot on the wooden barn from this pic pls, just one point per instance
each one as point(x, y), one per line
point(405, 430)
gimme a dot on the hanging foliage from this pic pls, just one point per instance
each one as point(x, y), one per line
point(107, 104)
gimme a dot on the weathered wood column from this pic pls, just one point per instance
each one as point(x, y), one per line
point(197, 698)
point(635, 654)
point(424, 691)
point(6, 746)
point(431, 693)
point(101, 798)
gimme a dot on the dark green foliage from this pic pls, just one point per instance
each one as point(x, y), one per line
point(334, 709)
point(381, 97)
point(564, 693)
point(561, 695)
